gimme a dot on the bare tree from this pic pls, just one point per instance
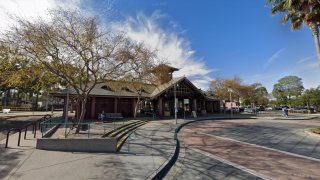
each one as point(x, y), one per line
point(141, 66)
point(73, 46)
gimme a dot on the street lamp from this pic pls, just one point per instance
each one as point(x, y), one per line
point(307, 100)
point(230, 90)
point(175, 85)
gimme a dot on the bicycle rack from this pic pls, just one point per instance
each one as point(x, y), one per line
point(34, 129)
point(8, 136)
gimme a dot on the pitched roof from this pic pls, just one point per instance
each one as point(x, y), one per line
point(116, 90)
point(163, 87)
point(207, 94)
point(121, 89)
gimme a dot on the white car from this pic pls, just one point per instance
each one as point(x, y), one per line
point(269, 108)
point(249, 110)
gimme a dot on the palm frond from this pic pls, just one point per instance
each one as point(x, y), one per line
point(296, 25)
point(288, 4)
point(287, 17)
point(278, 8)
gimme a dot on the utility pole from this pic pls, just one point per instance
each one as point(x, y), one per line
point(230, 90)
point(47, 101)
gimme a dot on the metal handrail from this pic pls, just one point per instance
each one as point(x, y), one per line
point(34, 129)
point(153, 115)
point(8, 136)
point(44, 124)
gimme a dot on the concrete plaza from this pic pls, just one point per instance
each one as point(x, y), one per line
point(230, 149)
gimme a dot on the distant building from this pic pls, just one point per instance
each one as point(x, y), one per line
point(234, 104)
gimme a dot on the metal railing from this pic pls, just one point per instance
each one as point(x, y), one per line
point(34, 129)
point(16, 108)
point(51, 122)
point(8, 136)
point(153, 115)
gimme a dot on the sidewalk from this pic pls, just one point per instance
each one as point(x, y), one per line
point(148, 151)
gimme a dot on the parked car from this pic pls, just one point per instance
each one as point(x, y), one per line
point(312, 109)
point(304, 109)
point(250, 110)
point(234, 110)
point(222, 110)
point(296, 108)
point(241, 109)
point(260, 108)
point(269, 108)
point(278, 108)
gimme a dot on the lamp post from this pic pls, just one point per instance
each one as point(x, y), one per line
point(230, 90)
point(175, 85)
point(307, 100)
point(47, 101)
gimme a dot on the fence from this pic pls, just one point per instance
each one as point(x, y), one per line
point(16, 108)
point(59, 121)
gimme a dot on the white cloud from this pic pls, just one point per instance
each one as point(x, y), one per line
point(270, 60)
point(305, 59)
point(170, 43)
point(31, 8)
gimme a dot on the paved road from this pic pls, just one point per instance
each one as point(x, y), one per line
point(267, 149)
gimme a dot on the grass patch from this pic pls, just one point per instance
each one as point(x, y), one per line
point(315, 131)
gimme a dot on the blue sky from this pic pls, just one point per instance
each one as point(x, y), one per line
point(206, 39)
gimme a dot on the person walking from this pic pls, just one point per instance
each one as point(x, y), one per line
point(286, 112)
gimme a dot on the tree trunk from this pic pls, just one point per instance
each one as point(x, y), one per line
point(18, 100)
point(7, 100)
point(84, 102)
point(289, 102)
point(315, 32)
point(136, 109)
point(78, 107)
point(36, 105)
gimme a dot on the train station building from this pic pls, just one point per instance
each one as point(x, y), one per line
point(158, 97)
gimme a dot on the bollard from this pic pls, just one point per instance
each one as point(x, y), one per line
point(89, 131)
point(129, 143)
point(42, 127)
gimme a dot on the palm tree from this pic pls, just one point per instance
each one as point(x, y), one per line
point(300, 12)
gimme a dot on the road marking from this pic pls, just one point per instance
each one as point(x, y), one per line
point(276, 150)
point(255, 173)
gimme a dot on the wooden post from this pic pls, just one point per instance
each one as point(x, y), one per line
point(203, 105)
point(72, 105)
point(93, 106)
point(134, 106)
point(115, 105)
point(160, 106)
point(194, 105)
